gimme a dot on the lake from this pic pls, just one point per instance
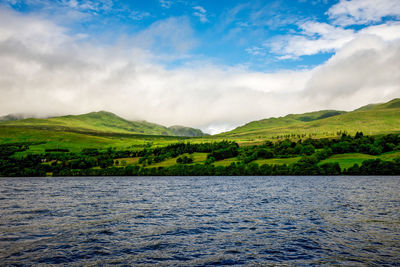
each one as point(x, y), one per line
point(197, 221)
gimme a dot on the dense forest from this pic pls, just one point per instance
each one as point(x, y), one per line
point(94, 162)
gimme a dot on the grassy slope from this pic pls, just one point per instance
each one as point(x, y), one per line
point(96, 129)
point(291, 119)
point(226, 162)
point(76, 141)
point(376, 119)
point(347, 160)
point(95, 121)
point(197, 158)
point(102, 122)
point(277, 161)
point(104, 129)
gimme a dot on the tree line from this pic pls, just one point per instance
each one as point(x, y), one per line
point(92, 161)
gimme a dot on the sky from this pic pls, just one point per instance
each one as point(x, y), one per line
point(208, 64)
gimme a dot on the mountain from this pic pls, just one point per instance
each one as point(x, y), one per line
point(102, 122)
point(371, 119)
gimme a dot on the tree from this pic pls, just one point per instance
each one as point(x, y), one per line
point(307, 150)
point(184, 160)
point(265, 153)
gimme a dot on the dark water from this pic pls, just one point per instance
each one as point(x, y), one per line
point(200, 221)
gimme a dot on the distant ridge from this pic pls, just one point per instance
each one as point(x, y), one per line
point(15, 117)
point(179, 130)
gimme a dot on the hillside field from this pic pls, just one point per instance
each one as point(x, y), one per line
point(103, 130)
point(372, 120)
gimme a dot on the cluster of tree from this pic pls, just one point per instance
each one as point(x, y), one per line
point(365, 144)
point(149, 156)
point(280, 149)
point(375, 167)
point(26, 166)
point(7, 150)
point(230, 150)
point(345, 144)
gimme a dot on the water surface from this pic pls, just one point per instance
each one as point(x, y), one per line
point(200, 221)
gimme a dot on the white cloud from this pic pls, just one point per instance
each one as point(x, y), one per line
point(256, 51)
point(316, 37)
point(166, 3)
point(45, 70)
point(12, 2)
point(363, 11)
point(389, 31)
point(172, 35)
point(70, 76)
point(90, 5)
point(200, 12)
point(38, 34)
point(139, 15)
point(81, 5)
point(366, 70)
point(200, 9)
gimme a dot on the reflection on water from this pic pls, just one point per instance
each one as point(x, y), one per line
point(200, 220)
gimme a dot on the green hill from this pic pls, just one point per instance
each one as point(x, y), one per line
point(104, 129)
point(101, 122)
point(93, 130)
point(371, 119)
point(366, 107)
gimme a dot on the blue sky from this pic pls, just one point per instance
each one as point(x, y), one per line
point(208, 64)
point(228, 32)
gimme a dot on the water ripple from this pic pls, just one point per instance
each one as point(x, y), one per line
point(200, 221)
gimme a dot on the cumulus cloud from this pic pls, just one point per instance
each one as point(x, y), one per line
point(367, 68)
point(389, 31)
point(363, 11)
point(45, 70)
